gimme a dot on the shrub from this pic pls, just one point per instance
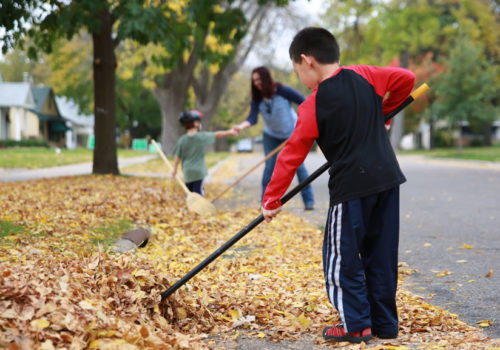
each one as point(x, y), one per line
point(477, 142)
point(24, 143)
point(443, 138)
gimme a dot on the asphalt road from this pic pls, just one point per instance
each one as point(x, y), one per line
point(450, 227)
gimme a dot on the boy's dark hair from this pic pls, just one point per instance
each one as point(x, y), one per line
point(316, 42)
point(269, 86)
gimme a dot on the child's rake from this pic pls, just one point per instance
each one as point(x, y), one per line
point(194, 201)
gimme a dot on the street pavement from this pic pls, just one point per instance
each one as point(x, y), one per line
point(450, 229)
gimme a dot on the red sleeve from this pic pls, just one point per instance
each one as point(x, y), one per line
point(398, 82)
point(293, 154)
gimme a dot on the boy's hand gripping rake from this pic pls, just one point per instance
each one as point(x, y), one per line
point(414, 95)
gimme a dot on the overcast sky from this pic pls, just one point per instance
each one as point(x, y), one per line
point(281, 40)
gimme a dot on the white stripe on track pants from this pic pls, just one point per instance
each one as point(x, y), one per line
point(360, 257)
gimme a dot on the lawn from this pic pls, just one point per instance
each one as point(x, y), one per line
point(490, 154)
point(35, 158)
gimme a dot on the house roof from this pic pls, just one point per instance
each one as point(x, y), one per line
point(40, 94)
point(16, 95)
point(69, 110)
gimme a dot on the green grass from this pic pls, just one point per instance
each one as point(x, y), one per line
point(491, 154)
point(107, 234)
point(7, 228)
point(35, 158)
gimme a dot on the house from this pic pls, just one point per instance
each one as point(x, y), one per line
point(52, 125)
point(422, 137)
point(30, 112)
point(81, 126)
point(16, 120)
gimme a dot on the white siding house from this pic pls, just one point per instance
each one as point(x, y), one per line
point(82, 126)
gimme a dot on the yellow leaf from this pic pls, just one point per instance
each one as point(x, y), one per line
point(304, 321)
point(235, 314)
point(427, 244)
point(443, 273)
point(485, 323)
point(466, 246)
point(94, 344)
point(40, 323)
point(140, 294)
point(261, 335)
point(181, 313)
point(461, 261)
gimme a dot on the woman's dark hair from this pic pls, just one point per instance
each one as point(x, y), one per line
point(316, 42)
point(268, 84)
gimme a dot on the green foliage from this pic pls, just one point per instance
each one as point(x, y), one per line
point(24, 143)
point(443, 138)
point(409, 26)
point(71, 66)
point(16, 62)
point(466, 91)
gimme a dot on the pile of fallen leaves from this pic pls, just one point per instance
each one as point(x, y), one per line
point(59, 289)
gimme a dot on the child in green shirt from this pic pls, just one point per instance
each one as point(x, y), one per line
point(191, 148)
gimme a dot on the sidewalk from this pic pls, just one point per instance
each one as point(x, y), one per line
point(8, 175)
point(463, 163)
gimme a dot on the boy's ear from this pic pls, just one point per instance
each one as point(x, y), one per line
point(307, 59)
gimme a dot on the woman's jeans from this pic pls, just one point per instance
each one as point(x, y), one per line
point(270, 143)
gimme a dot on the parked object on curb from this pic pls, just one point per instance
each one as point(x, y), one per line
point(132, 239)
point(244, 145)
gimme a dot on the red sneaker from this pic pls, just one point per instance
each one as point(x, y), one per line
point(337, 333)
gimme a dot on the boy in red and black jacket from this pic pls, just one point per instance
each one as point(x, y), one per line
point(345, 115)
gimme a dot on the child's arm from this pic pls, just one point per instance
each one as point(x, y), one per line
point(291, 157)
point(251, 119)
point(225, 133)
point(176, 165)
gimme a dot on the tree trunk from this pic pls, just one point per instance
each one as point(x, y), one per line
point(171, 103)
point(398, 121)
point(208, 95)
point(105, 159)
point(171, 97)
point(487, 134)
point(431, 133)
point(209, 88)
point(459, 139)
